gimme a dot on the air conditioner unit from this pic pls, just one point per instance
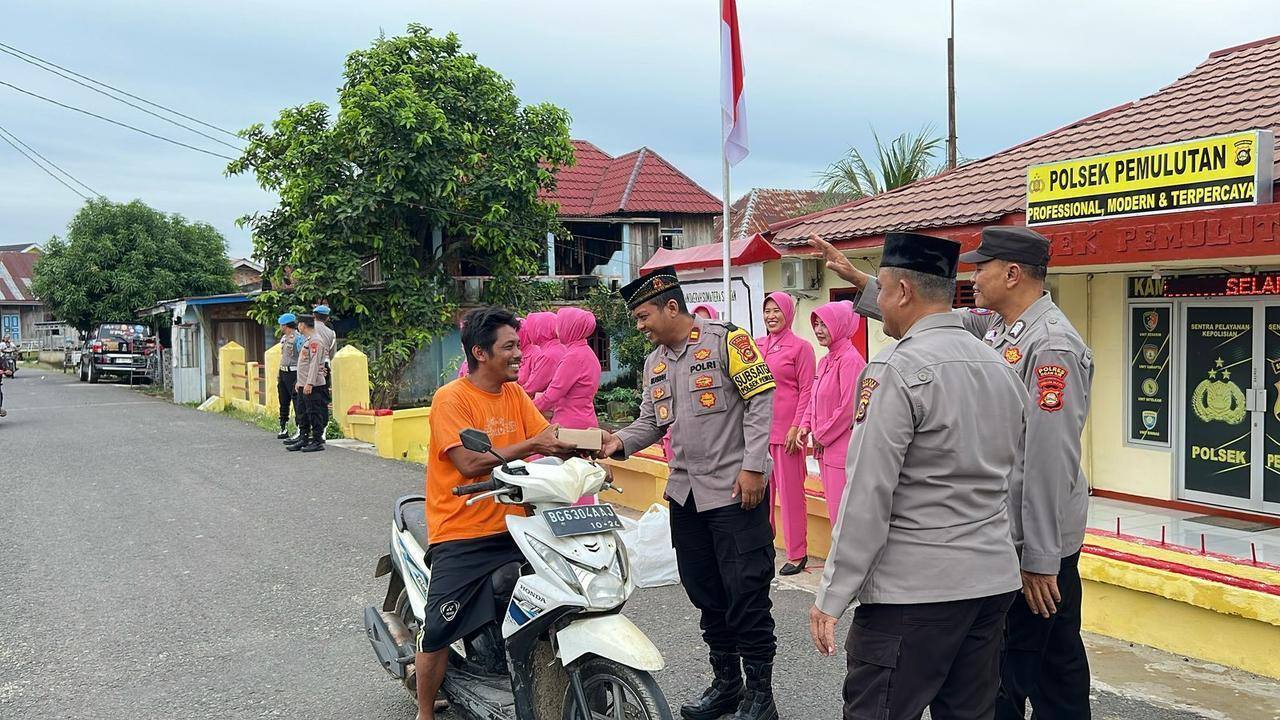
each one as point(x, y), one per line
point(801, 274)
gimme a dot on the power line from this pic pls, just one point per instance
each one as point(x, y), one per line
point(42, 167)
point(117, 99)
point(117, 122)
point(122, 92)
point(6, 131)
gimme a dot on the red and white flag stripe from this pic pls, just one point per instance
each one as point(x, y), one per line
point(733, 101)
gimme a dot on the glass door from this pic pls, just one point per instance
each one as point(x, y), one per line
point(1271, 410)
point(1221, 423)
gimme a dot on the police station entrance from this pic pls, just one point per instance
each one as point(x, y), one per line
point(1228, 444)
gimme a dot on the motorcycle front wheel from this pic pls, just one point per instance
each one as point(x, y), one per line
point(616, 692)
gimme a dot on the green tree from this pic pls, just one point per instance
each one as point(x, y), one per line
point(424, 137)
point(120, 257)
point(905, 159)
point(629, 346)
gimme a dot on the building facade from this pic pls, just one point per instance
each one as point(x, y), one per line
point(1180, 302)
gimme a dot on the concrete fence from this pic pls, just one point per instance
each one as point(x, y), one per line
point(251, 387)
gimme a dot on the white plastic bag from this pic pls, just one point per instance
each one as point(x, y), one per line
point(648, 543)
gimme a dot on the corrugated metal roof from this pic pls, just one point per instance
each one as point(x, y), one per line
point(1234, 89)
point(639, 181)
point(757, 210)
point(16, 271)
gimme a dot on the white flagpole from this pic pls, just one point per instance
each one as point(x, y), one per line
point(728, 298)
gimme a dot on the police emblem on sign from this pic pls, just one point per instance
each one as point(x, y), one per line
point(1150, 353)
point(1244, 152)
point(1150, 319)
point(1149, 419)
point(1150, 387)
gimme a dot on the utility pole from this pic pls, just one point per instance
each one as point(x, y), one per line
point(951, 91)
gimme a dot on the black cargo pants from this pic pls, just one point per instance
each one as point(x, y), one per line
point(285, 388)
point(725, 557)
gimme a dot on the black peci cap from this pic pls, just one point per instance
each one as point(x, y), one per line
point(650, 286)
point(922, 253)
point(1011, 243)
point(307, 318)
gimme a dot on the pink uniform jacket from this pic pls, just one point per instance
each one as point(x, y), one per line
point(791, 360)
point(545, 351)
point(831, 407)
point(570, 396)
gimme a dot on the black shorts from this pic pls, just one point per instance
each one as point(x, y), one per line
point(460, 595)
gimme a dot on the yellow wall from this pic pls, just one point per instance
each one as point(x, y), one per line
point(1095, 304)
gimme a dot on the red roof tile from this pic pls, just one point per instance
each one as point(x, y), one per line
point(640, 181)
point(757, 210)
point(16, 271)
point(1234, 89)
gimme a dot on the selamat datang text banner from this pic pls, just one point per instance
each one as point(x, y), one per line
point(1220, 171)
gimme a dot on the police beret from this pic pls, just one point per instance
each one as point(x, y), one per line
point(287, 318)
point(1011, 243)
point(649, 286)
point(922, 253)
point(320, 310)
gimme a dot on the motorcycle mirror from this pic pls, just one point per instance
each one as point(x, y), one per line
point(476, 440)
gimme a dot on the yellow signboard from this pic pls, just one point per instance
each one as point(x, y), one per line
point(1210, 172)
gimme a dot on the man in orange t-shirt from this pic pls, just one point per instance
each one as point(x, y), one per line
point(469, 544)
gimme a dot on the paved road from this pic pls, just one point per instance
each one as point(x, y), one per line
point(159, 562)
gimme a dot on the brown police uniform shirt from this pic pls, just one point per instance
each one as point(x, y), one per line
point(1051, 498)
point(715, 393)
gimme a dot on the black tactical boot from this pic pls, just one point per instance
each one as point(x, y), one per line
point(725, 693)
point(284, 432)
point(757, 699)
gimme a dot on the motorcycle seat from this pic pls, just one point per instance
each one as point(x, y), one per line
point(413, 518)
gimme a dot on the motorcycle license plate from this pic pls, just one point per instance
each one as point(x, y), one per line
point(581, 520)
point(122, 361)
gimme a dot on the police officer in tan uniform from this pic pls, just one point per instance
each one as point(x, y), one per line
point(708, 383)
point(924, 541)
point(1045, 661)
point(287, 377)
point(313, 386)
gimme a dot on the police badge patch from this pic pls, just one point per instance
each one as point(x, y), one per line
point(867, 387)
point(659, 368)
point(746, 367)
point(1012, 354)
point(702, 354)
point(1052, 380)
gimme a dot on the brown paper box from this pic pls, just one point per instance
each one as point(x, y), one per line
point(584, 439)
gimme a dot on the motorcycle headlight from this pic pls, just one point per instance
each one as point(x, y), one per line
point(557, 562)
point(605, 590)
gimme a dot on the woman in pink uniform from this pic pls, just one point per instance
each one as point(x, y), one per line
point(790, 359)
point(829, 418)
point(569, 399)
point(545, 350)
point(704, 311)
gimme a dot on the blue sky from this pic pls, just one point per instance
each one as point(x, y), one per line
point(820, 75)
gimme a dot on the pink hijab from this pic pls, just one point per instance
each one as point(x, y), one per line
point(712, 313)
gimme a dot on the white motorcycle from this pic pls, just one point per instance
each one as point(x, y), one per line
point(563, 644)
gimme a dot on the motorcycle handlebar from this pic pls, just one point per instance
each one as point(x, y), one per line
point(473, 488)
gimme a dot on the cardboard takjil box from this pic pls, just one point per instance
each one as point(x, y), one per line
point(590, 439)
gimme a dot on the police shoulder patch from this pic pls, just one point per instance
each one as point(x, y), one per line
point(865, 388)
point(746, 365)
point(1052, 381)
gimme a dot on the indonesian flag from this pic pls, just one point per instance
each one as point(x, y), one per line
point(733, 102)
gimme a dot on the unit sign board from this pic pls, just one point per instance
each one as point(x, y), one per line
point(1220, 285)
point(1221, 171)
